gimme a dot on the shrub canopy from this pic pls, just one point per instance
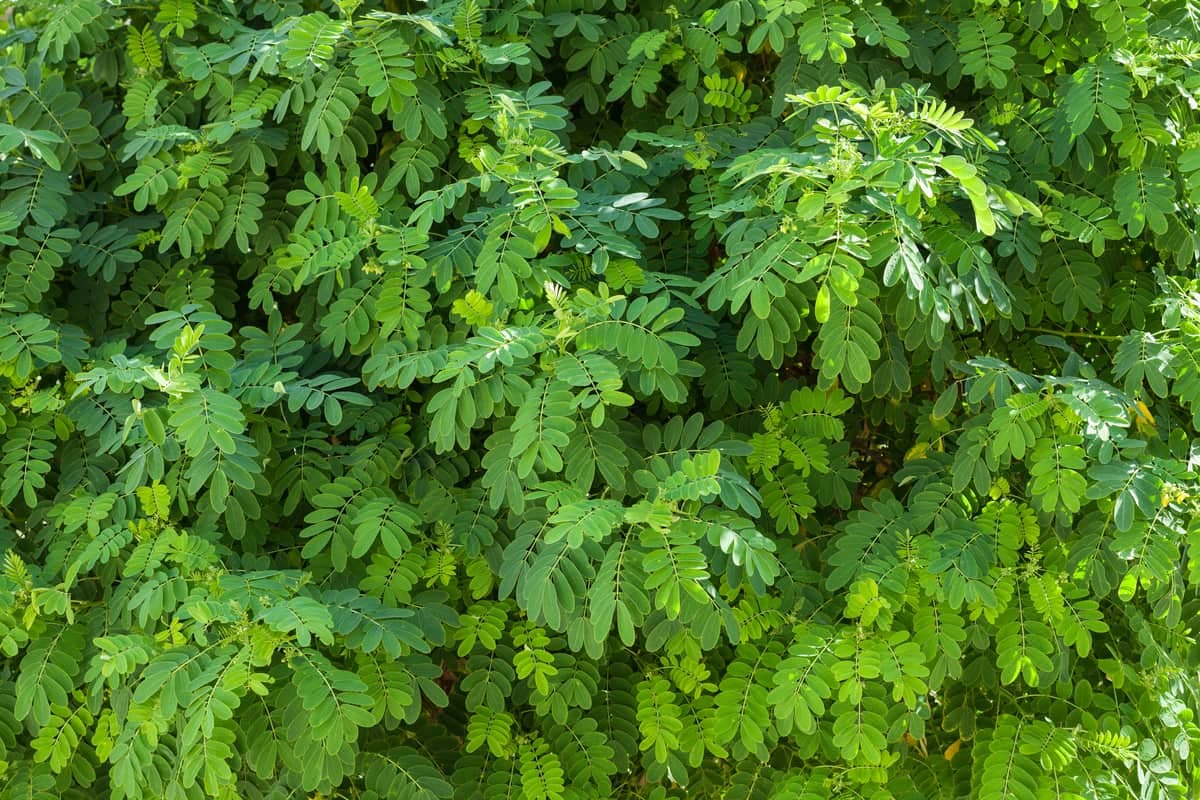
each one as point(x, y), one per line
point(578, 399)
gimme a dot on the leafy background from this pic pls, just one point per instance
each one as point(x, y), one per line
point(595, 398)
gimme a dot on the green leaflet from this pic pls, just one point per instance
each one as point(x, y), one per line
point(747, 400)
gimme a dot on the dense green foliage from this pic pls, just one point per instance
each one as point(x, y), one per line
point(580, 399)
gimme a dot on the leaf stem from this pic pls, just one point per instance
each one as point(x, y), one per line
point(1076, 334)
